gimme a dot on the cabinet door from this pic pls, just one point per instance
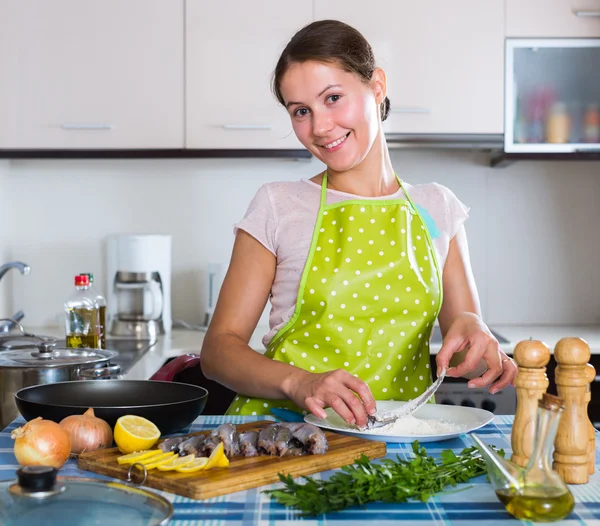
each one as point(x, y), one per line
point(88, 74)
point(553, 18)
point(232, 47)
point(444, 60)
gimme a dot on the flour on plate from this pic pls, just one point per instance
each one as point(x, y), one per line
point(411, 425)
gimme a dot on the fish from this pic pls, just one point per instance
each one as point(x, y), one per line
point(192, 446)
point(226, 434)
point(171, 444)
point(311, 438)
point(210, 444)
point(283, 440)
point(247, 442)
point(266, 439)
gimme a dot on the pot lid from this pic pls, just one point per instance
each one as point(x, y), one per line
point(38, 496)
point(46, 355)
point(19, 341)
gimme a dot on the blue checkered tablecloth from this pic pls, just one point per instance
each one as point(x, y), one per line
point(475, 505)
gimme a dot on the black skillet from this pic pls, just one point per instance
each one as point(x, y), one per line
point(172, 406)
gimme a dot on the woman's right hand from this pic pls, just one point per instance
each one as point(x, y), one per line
point(337, 389)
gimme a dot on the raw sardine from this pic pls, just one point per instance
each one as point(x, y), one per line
point(266, 439)
point(210, 444)
point(312, 438)
point(226, 433)
point(192, 446)
point(283, 440)
point(171, 444)
point(248, 441)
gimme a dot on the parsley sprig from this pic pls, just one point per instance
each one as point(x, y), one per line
point(388, 481)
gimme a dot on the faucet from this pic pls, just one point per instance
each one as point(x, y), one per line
point(6, 325)
point(23, 267)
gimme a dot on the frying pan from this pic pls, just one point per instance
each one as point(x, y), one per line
point(172, 406)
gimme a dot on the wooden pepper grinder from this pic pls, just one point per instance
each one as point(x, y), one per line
point(531, 383)
point(591, 376)
point(573, 435)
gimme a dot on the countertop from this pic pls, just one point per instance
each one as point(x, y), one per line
point(469, 504)
point(181, 341)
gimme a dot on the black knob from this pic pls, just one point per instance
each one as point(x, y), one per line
point(37, 478)
point(488, 405)
point(447, 401)
point(467, 403)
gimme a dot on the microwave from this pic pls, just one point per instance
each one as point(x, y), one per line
point(552, 95)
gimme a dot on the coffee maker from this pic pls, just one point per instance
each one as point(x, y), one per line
point(139, 285)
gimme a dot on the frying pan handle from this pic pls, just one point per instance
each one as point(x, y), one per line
point(167, 372)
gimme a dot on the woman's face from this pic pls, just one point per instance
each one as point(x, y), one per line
point(334, 114)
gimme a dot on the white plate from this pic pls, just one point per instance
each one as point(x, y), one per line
point(468, 418)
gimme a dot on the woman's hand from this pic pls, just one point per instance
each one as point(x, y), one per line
point(337, 389)
point(468, 332)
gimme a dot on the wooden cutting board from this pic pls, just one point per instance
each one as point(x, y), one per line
point(243, 472)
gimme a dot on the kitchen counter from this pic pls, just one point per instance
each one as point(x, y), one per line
point(473, 504)
point(180, 341)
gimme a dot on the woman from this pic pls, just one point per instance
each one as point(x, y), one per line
point(357, 264)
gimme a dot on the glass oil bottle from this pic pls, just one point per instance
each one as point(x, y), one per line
point(539, 494)
point(82, 317)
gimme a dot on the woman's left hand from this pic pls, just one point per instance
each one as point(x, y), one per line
point(468, 332)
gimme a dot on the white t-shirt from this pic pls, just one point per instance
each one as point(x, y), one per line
point(282, 217)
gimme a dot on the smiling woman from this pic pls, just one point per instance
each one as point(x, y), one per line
point(357, 263)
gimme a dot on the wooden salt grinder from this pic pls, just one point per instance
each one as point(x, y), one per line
point(573, 436)
point(591, 376)
point(531, 383)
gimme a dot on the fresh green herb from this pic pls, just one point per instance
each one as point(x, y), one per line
point(388, 481)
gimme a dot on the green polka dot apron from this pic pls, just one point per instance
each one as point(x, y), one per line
point(367, 301)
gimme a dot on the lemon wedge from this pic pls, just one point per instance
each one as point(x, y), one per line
point(136, 456)
point(198, 464)
point(176, 462)
point(217, 458)
point(135, 433)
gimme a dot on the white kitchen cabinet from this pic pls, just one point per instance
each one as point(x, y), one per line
point(443, 60)
point(82, 74)
point(553, 18)
point(232, 47)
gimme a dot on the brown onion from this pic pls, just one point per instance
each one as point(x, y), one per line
point(87, 432)
point(41, 443)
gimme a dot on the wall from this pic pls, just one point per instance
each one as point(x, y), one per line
point(533, 228)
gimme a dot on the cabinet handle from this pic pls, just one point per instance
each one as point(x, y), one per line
point(597, 379)
point(410, 109)
point(247, 127)
point(86, 126)
point(586, 14)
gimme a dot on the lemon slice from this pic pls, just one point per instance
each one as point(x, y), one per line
point(176, 462)
point(198, 464)
point(136, 456)
point(135, 433)
point(154, 462)
point(217, 458)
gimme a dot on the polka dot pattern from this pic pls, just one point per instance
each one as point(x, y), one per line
point(365, 290)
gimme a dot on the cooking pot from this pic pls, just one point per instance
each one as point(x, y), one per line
point(40, 497)
point(27, 360)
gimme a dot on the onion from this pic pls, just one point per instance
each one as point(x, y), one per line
point(87, 432)
point(41, 443)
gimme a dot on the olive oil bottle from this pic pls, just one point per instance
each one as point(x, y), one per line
point(101, 304)
point(536, 493)
point(537, 503)
point(82, 316)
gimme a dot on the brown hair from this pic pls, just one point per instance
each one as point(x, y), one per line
point(329, 41)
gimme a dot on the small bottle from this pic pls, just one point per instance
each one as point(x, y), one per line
point(541, 494)
point(101, 304)
point(82, 316)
